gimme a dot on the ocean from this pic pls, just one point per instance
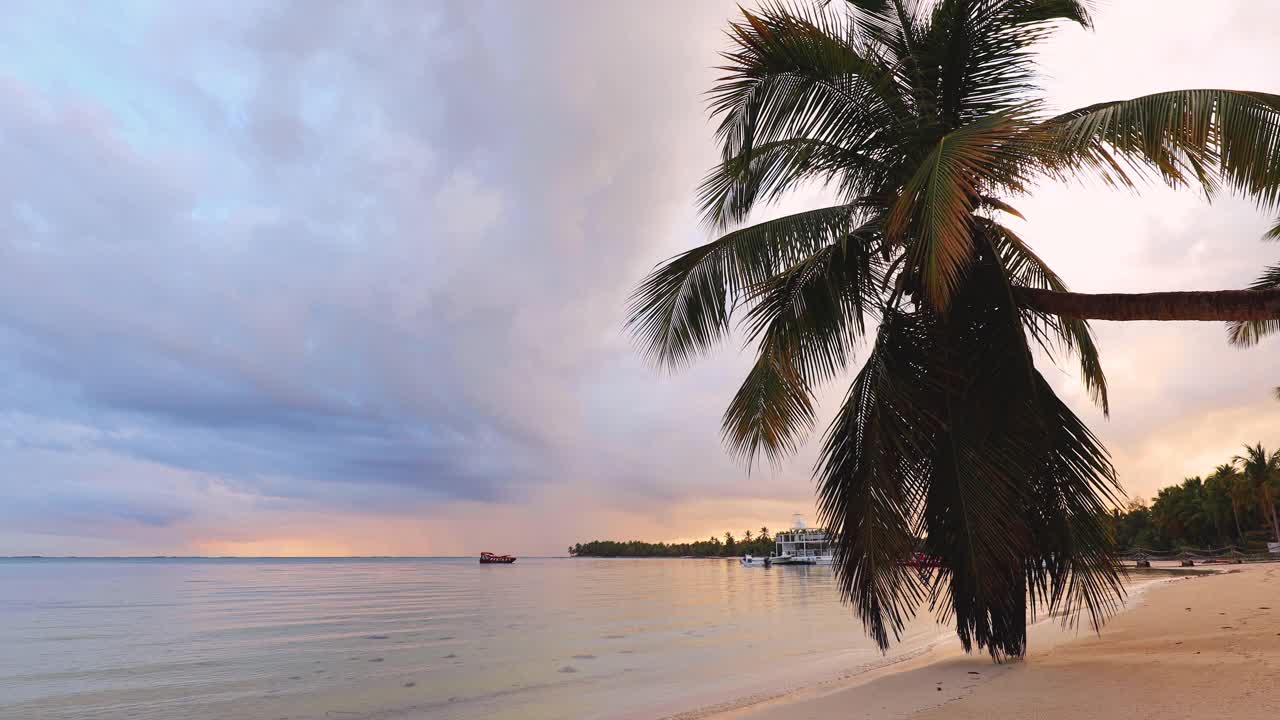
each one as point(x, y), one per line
point(440, 638)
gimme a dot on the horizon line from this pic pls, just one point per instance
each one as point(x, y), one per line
point(254, 557)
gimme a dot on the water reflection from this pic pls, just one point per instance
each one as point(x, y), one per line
point(446, 637)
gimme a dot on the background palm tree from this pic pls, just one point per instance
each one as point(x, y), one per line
point(1237, 492)
point(924, 120)
point(1262, 471)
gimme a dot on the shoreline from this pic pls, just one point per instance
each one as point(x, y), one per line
point(937, 674)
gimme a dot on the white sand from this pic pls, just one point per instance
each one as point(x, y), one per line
point(1194, 647)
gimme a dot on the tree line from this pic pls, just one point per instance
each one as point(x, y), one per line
point(749, 543)
point(1233, 505)
point(1236, 504)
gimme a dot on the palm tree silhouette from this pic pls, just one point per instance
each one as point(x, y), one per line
point(1262, 472)
point(926, 121)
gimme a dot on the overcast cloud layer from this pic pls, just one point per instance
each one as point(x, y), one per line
point(331, 278)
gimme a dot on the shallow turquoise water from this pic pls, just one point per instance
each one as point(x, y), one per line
point(406, 638)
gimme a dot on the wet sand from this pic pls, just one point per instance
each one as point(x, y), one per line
point(1188, 647)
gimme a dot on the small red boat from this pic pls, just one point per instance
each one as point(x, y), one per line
point(922, 561)
point(491, 559)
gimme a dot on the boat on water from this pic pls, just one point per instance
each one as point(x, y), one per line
point(487, 558)
point(803, 545)
point(920, 561)
point(800, 545)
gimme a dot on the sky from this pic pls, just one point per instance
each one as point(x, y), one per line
point(332, 278)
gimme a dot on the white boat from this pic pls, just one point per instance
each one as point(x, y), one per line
point(802, 545)
point(798, 546)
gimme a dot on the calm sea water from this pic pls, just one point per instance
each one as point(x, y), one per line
point(415, 638)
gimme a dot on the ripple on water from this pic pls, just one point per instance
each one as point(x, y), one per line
point(263, 634)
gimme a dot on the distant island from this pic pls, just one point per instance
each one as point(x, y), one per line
point(750, 543)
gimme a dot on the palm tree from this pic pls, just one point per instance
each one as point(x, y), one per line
point(1229, 479)
point(764, 533)
point(923, 118)
point(1262, 472)
point(746, 536)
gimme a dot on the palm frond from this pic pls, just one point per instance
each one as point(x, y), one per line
point(982, 51)
point(793, 75)
point(998, 204)
point(734, 187)
point(936, 207)
point(771, 411)
point(1246, 333)
point(985, 463)
point(1073, 568)
point(1214, 138)
point(817, 309)
point(807, 320)
point(871, 487)
point(1273, 232)
point(684, 306)
point(1025, 269)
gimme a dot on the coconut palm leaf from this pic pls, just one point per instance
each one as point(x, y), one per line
point(1072, 568)
point(1215, 138)
point(980, 51)
point(871, 486)
point(1273, 232)
point(1248, 332)
point(973, 441)
point(771, 411)
point(807, 320)
point(817, 309)
point(936, 207)
point(794, 79)
point(769, 170)
point(684, 306)
point(1025, 269)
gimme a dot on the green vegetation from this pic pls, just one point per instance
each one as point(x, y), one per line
point(925, 121)
point(1235, 505)
point(748, 544)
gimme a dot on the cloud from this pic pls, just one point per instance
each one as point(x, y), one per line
point(351, 277)
point(342, 255)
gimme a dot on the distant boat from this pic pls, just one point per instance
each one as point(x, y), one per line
point(798, 546)
point(802, 545)
point(487, 558)
point(920, 561)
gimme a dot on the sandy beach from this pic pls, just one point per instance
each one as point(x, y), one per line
point(1188, 647)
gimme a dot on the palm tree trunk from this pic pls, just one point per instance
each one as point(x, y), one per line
point(1271, 507)
point(1235, 512)
point(1268, 510)
point(1215, 305)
